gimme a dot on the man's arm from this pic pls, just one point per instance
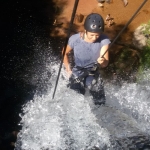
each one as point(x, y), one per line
point(66, 62)
point(103, 61)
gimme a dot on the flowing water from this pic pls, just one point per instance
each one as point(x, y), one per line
point(71, 121)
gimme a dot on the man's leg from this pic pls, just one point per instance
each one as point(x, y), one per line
point(77, 86)
point(97, 91)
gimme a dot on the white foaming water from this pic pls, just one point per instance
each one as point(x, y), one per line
point(65, 122)
point(133, 99)
point(70, 121)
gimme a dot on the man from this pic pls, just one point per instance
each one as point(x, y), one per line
point(88, 48)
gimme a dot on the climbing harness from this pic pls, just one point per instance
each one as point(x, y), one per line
point(87, 78)
point(85, 72)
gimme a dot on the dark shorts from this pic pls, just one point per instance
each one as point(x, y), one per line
point(96, 88)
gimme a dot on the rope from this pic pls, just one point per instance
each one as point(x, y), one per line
point(66, 42)
point(125, 27)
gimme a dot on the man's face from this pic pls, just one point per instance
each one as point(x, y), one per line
point(92, 37)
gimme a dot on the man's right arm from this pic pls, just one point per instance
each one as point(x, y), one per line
point(66, 61)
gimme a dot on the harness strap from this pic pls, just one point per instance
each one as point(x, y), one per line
point(86, 72)
point(82, 34)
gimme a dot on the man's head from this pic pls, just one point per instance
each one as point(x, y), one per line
point(94, 23)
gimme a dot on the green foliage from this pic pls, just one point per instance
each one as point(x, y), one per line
point(146, 32)
point(127, 61)
point(144, 64)
point(125, 55)
point(147, 28)
point(145, 54)
point(145, 59)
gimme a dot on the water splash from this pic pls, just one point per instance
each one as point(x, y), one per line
point(66, 122)
point(133, 99)
point(71, 121)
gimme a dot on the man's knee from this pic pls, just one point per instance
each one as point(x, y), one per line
point(77, 86)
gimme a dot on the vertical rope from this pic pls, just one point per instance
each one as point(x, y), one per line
point(65, 44)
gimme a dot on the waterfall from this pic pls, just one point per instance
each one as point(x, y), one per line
point(71, 121)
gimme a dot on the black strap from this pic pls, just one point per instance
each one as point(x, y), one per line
point(92, 71)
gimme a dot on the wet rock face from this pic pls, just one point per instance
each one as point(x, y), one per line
point(135, 142)
point(139, 40)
